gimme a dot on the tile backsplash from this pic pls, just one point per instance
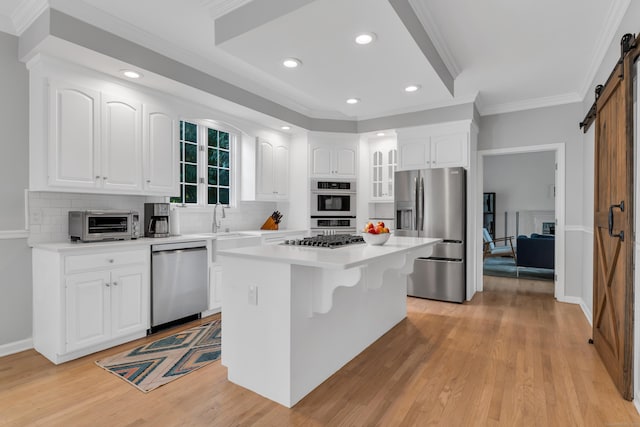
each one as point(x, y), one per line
point(246, 216)
point(49, 213)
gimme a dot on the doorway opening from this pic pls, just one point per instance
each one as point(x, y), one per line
point(530, 220)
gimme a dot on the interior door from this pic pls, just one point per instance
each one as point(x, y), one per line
point(613, 227)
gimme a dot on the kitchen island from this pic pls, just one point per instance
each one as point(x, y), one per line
point(295, 315)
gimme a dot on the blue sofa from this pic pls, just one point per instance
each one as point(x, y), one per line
point(536, 251)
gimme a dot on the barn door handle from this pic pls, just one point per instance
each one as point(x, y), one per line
point(621, 207)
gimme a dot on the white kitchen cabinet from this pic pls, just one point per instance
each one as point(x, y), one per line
point(105, 304)
point(383, 162)
point(333, 159)
point(160, 151)
point(87, 308)
point(99, 142)
point(434, 147)
point(215, 287)
point(121, 152)
point(88, 301)
point(74, 136)
point(272, 170)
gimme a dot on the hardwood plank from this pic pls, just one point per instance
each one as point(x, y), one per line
point(512, 356)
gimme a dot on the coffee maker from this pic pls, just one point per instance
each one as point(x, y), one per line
point(156, 219)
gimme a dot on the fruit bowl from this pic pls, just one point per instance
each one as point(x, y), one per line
point(376, 239)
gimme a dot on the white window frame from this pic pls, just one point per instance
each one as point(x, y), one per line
point(202, 166)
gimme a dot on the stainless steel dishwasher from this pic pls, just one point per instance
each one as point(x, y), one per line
point(179, 285)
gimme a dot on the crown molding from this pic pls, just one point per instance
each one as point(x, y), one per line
point(27, 12)
point(611, 25)
point(431, 28)
point(528, 104)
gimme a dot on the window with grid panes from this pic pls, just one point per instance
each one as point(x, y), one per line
point(205, 172)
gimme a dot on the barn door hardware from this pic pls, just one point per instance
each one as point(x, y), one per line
point(621, 207)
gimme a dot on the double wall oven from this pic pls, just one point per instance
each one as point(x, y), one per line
point(333, 206)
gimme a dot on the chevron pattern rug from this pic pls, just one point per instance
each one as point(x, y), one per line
point(155, 364)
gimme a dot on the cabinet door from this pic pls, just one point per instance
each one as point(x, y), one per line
point(160, 152)
point(414, 154)
point(87, 309)
point(449, 150)
point(129, 300)
point(74, 136)
point(121, 156)
point(345, 162)
point(265, 170)
point(321, 161)
point(281, 172)
point(390, 165)
point(215, 287)
point(376, 174)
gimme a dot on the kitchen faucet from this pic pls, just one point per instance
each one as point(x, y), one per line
point(217, 223)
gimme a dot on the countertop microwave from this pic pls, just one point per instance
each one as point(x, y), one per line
point(94, 225)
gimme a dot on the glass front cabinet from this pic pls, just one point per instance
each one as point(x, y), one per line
point(383, 162)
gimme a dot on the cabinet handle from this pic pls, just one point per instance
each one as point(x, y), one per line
point(110, 261)
point(107, 285)
point(115, 283)
point(148, 181)
point(97, 176)
point(104, 177)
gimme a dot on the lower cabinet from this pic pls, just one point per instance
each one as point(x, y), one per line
point(89, 302)
point(215, 287)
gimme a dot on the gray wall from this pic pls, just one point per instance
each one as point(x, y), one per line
point(522, 183)
point(15, 256)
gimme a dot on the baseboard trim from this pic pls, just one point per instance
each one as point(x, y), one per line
point(636, 402)
point(586, 311)
point(16, 347)
point(578, 301)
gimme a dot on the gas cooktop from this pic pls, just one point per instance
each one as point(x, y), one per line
point(326, 241)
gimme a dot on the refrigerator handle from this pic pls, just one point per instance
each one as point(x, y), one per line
point(417, 209)
point(421, 205)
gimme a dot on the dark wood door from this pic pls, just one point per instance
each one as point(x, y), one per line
point(613, 228)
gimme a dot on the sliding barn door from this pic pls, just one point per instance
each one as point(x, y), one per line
point(613, 227)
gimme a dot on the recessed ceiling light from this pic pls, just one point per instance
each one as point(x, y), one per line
point(412, 88)
point(285, 127)
point(353, 101)
point(380, 134)
point(131, 74)
point(292, 62)
point(365, 38)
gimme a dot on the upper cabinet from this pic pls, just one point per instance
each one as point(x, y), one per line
point(272, 170)
point(74, 136)
point(383, 156)
point(160, 151)
point(121, 154)
point(265, 169)
point(332, 158)
point(101, 142)
point(437, 146)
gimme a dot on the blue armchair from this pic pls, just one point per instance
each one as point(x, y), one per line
point(536, 251)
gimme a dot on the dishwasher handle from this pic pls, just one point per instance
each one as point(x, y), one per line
point(166, 247)
point(177, 251)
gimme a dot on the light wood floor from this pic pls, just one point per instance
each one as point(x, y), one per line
point(511, 357)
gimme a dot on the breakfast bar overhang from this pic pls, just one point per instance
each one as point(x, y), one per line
point(292, 316)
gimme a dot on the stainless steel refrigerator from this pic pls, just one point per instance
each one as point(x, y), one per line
point(432, 203)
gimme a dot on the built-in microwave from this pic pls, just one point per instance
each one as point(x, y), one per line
point(92, 226)
point(333, 198)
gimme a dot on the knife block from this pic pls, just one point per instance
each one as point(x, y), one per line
point(269, 224)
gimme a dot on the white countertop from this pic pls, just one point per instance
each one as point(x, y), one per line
point(148, 241)
point(338, 258)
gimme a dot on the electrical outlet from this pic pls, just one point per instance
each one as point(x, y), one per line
point(253, 295)
point(35, 217)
